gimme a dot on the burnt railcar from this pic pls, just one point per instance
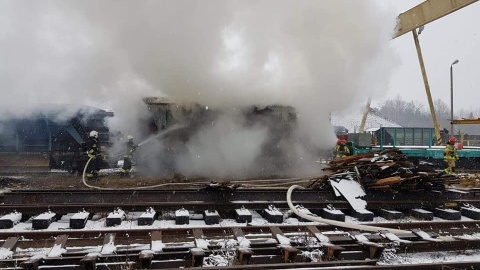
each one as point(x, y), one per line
point(50, 138)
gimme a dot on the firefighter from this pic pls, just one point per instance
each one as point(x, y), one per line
point(93, 152)
point(341, 150)
point(450, 156)
point(130, 148)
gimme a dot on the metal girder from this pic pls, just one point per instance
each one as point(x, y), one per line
point(427, 12)
point(466, 121)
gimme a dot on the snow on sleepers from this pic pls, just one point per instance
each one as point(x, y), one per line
point(79, 220)
point(109, 244)
point(243, 215)
point(333, 214)
point(42, 221)
point(147, 218)
point(390, 214)
point(211, 217)
point(448, 214)
point(115, 218)
point(362, 214)
point(421, 214)
point(305, 211)
point(273, 215)
point(182, 217)
point(471, 212)
point(7, 221)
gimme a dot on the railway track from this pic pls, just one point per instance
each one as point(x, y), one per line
point(250, 229)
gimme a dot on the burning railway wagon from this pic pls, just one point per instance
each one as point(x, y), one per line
point(50, 138)
point(178, 124)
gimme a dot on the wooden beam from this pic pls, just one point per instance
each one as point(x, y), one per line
point(427, 12)
point(466, 121)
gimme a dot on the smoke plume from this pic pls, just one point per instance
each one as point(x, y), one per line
point(317, 56)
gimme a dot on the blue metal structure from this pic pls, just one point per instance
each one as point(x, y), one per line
point(416, 144)
point(48, 132)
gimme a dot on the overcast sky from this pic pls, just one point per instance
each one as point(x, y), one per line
point(455, 36)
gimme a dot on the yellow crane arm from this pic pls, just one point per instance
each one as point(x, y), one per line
point(466, 121)
point(364, 117)
point(427, 12)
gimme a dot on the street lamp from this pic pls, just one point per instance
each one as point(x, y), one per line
point(451, 96)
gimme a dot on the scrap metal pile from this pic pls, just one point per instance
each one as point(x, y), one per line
point(388, 171)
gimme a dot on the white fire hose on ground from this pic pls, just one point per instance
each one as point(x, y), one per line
point(334, 222)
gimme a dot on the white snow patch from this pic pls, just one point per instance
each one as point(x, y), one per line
point(109, 248)
point(243, 242)
point(46, 215)
point(273, 211)
point(322, 238)
point(150, 213)
point(81, 215)
point(243, 212)
point(181, 213)
point(211, 213)
point(201, 243)
point(15, 217)
point(283, 240)
point(118, 213)
point(157, 245)
point(56, 251)
point(5, 254)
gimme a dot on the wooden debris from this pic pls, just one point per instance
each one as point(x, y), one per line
point(387, 171)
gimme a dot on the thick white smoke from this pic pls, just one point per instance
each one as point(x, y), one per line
point(317, 56)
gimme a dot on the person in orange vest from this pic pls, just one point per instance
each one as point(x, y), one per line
point(341, 150)
point(450, 156)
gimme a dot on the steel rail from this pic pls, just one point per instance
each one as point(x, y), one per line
point(447, 227)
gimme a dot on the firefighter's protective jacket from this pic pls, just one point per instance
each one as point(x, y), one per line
point(130, 148)
point(341, 151)
point(450, 153)
point(93, 148)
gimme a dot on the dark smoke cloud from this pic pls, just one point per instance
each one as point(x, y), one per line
point(318, 56)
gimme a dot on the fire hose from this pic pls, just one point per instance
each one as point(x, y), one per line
point(334, 222)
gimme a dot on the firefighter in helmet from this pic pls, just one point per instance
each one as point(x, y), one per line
point(130, 148)
point(450, 156)
point(93, 152)
point(341, 149)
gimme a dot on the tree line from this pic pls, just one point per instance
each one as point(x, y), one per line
point(415, 114)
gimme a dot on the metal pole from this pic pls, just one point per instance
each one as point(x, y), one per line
point(451, 98)
point(438, 138)
point(451, 101)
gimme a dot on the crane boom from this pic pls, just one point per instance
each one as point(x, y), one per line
point(418, 16)
point(427, 12)
point(364, 117)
